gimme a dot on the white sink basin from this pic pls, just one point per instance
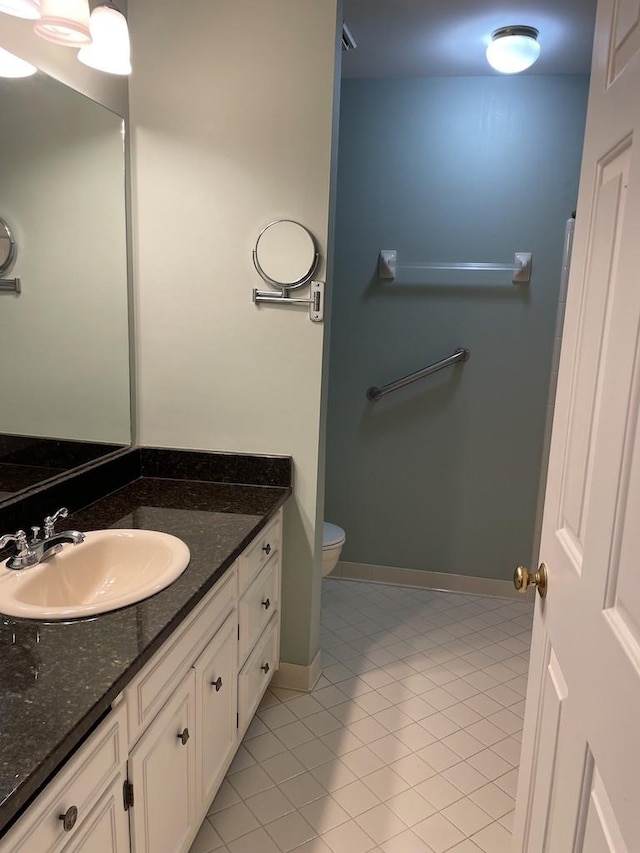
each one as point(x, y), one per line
point(110, 569)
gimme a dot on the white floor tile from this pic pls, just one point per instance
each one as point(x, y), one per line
point(406, 842)
point(225, 797)
point(410, 806)
point(290, 831)
point(438, 833)
point(270, 805)
point(302, 789)
point(207, 840)
point(251, 781)
point(381, 823)
point(233, 822)
point(408, 744)
point(385, 783)
point(493, 839)
point(253, 841)
point(349, 838)
point(493, 800)
point(356, 798)
point(467, 816)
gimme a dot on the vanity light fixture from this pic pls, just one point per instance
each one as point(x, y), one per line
point(21, 8)
point(110, 48)
point(13, 66)
point(64, 22)
point(513, 49)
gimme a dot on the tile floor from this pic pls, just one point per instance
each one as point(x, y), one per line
point(410, 742)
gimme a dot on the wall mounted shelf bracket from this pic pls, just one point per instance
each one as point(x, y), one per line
point(520, 269)
point(10, 285)
point(315, 301)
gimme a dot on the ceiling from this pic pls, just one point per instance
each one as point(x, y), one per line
point(425, 38)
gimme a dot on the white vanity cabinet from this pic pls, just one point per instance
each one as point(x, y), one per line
point(145, 778)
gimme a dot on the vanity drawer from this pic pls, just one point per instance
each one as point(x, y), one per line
point(79, 784)
point(257, 606)
point(256, 674)
point(265, 546)
point(151, 688)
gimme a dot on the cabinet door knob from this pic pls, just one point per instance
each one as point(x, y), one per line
point(217, 683)
point(266, 603)
point(267, 549)
point(69, 818)
point(265, 668)
point(184, 736)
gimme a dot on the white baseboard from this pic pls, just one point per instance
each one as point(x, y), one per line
point(293, 676)
point(423, 579)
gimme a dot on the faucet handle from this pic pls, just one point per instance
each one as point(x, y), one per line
point(20, 539)
point(51, 520)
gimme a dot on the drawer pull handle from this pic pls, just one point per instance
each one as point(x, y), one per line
point(266, 603)
point(184, 736)
point(265, 668)
point(267, 549)
point(217, 683)
point(69, 818)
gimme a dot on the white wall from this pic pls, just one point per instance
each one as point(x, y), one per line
point(232, 108)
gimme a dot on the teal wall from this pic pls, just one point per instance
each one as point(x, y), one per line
point(443, 476)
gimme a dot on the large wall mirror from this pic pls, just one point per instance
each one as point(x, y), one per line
point(64, 348)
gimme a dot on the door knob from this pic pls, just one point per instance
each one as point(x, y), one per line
point(523, 579)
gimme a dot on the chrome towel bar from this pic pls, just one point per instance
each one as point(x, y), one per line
point(461, 354)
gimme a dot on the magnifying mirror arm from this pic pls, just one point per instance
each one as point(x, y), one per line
point(10, 285)
point(315, 302)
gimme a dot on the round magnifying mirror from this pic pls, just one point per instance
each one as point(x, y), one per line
point(285, 254)
point(7, 248)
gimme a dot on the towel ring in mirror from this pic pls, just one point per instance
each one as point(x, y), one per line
point(8, 252)
point(286, 256)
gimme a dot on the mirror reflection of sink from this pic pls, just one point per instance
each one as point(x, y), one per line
point(110, 569)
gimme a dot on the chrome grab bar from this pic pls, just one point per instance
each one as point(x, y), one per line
point(461, 354)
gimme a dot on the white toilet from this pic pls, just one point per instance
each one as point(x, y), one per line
point(333, 538)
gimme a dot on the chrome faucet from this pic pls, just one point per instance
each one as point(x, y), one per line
point(37, 550)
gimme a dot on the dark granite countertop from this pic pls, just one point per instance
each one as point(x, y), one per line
point(58, 679)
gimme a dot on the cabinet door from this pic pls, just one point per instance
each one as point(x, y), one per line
point(216, 707)
point(162, 769)
point(106, 828)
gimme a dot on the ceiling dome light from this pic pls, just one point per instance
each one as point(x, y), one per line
point(64, 22)
point(513, 49)
point(110, 49)
point(21, 8)
point(13, 66)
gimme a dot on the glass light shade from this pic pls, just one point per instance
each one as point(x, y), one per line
point(64, 22)
point(513, 49)
point(13, 66)
point(21, 8)
point(109, 50)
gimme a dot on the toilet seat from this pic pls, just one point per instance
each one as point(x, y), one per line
point(332, 535)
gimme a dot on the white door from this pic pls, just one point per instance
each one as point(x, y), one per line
point(106, 828)
point(580, 772)
point(216, 708)
point(162, 769)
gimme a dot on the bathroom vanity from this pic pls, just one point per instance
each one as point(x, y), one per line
point(120, 729)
